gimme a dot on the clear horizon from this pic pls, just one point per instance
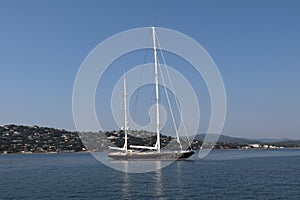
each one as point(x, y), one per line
point(255, 45)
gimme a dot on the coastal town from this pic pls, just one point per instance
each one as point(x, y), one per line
point(35, 139)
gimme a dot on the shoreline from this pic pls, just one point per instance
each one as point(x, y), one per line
point(253, 149)
point(31, 153)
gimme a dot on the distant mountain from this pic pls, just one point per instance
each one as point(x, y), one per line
point(290, 143)
point(243, 141)
point(269, 140)
point(229, 139)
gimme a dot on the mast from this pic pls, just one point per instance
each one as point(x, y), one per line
point(125, 114)
point(156, 90)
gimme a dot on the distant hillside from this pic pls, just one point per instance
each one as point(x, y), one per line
point(269, 140)
point(290, 143)
point(35, 139)
point(230, 140)
point(243, 141)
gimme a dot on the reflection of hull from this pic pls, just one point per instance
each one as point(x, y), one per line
point(180, 155)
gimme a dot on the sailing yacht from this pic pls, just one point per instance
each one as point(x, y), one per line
point(136, 152)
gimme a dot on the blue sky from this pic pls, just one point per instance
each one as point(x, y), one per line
point(255, 44)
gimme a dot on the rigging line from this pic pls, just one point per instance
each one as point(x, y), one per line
point(152, 96)
point(169, 103)
point(171, 110)
point(152, 101)
point(137, 94)
point(172, 87)
point(140, 80)
point(123, 105)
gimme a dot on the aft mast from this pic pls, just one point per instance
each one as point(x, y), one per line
point(125, 147)
point(156, 90)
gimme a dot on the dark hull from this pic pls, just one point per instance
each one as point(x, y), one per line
point(152, 155)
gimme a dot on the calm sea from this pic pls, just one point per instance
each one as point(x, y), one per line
point(227, 174)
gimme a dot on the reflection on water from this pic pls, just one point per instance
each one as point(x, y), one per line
point(132, 181)
point(126, 182)
point(179, 171)
point(134, 166)
point(158, 186)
